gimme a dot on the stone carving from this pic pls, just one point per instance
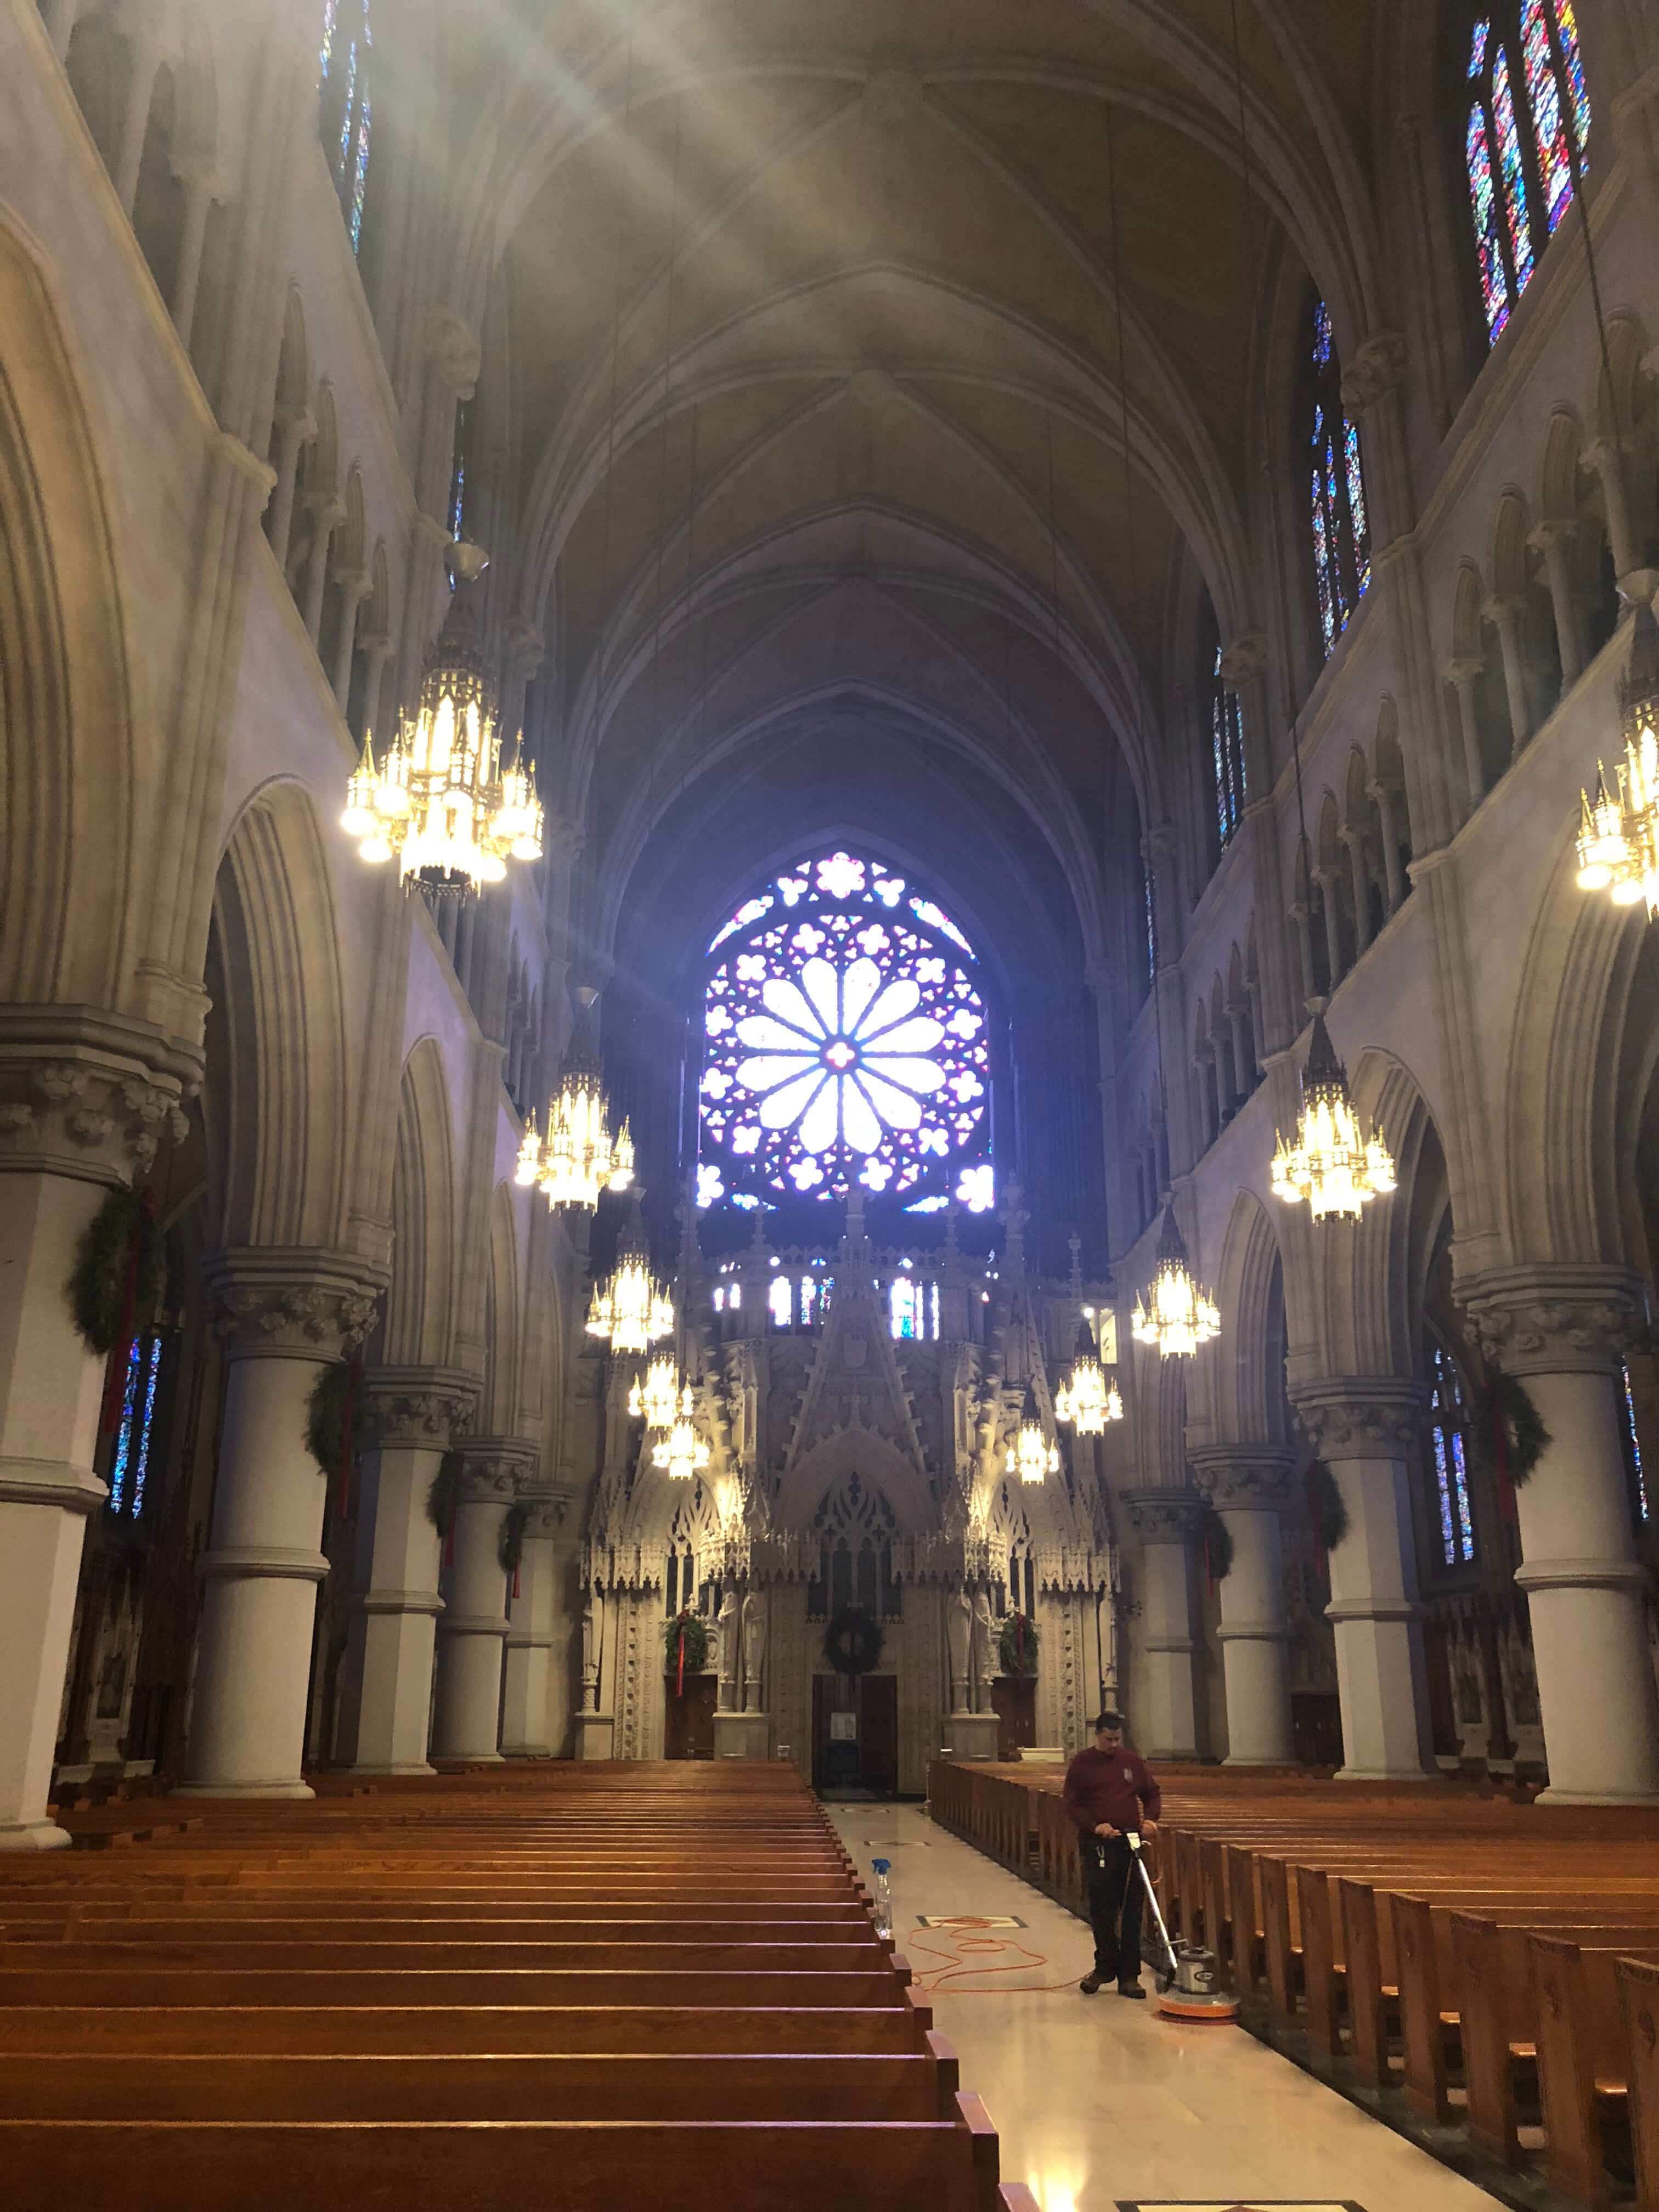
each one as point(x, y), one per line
point(64, 1110)
point(1248, 1477)
point(1375, 369)
point(290, 1301)
point(725, 1661)
point(983, 1637)
point(1361, 1417)
point(590, 1659)
point(1563, 1320)
point(754, 1650)
point(414, 1407)
point(1244, 661)
point(1165, 1517)
point(958, 1634)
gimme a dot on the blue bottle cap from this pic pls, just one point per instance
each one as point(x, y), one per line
point(882, 1865)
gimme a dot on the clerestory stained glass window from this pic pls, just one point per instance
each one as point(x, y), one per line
point(1337, 511)
point(1226, 756)
point(846, 1038)
point(1525, 91)
point(1451, 1474)
point(346, 115)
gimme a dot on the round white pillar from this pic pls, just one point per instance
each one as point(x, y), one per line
point(530, 1636)
point(1368, 1430)
point(290, 1312)
point(1559, 1330)
point(408, 1416)
point(472, 1631)
point(1166, 1522)
point(1249, 1486)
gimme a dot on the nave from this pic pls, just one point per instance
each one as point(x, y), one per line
point(589, 1986)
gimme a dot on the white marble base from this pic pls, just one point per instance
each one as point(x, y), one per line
point(971, 1735)
point(34, 1835)
point(743, 1736)
point(595, 1735)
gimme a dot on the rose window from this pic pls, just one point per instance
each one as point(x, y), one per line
point(845, 1038)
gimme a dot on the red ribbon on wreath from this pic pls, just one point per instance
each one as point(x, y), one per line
point(354, 1376)
point(515, 1578)
point(115, 1379)
point(679, 1685)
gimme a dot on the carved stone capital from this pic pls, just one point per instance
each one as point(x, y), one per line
point(497, 1467)
point(1245, 1478)
point(422, 1407)
point(291, 1300)
point(454, 351)
point(525, 648)
point(1571, 1318)
point(1165, 1517)
point(550, 1512)
point(1244, 661)
point(1375, 369)
point(1362, 1416)
point(86, 1095)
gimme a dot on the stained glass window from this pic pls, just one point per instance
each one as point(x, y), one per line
point(1149, 905)
point(1336, 490)
point(1633, 1449)
point(846, 1039)
point(1517, 151)
point(458, 482)
point(345, 115)
point(130, 1467)
point(1226, 755)
point(1457, 1520)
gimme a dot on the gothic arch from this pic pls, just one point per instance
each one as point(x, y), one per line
point(1242, 1409)
point(420, 1313)
point(851, 1451)
point(498, 1406)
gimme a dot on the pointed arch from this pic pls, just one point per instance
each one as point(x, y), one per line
point(420, 1314)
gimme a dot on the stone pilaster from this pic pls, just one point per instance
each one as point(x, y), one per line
point(407, 1419)
point(1560, 1331)
point(1368, 1429)
point(1251, 1485)
point(286, 1313)
point(1166, 1522)
point(537, 1627)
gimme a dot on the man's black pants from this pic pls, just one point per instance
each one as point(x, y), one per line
point(1115, 1898)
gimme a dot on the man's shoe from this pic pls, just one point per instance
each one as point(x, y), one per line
point(1089, 1984)
point(1131, 1990)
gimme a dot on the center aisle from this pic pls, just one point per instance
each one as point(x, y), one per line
point(1097, 2101)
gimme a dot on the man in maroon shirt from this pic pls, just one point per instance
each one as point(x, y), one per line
point(1110, 1791)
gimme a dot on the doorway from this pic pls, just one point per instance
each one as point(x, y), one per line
point(855, 1734)
point(688, 1728)
point(1014, 1700)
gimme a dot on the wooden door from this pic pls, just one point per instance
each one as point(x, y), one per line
point(879, 1733)
point(1014, 1700)
point(688, 1730)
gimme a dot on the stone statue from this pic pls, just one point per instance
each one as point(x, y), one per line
point(958, 1634)
point(726, 1629)
point(754, 1650)
point(590, 1659)
point(983, 1637)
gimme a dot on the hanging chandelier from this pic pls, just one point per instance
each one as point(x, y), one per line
point(441, 800)
point(1619, 829)
point(682, 1453)
point(1089, 1397)
point(1030, 1456)
point(630, 1307)
point(1178, 1313)
point(655, 1396)
point(1332, 1163)
point(578, 1158)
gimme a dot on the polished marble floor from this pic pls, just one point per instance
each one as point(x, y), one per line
point(1100, 2103)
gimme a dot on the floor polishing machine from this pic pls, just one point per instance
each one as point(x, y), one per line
point(1188, 1986)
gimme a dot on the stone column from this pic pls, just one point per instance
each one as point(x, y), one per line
point(1166, 1522)
point(1386, 796)
point(68, 1130)
point(286, 1311)
point(409, 1416)
point(472, 1634)
point(1460, 674)
point(1605, 456)
point(376, 651)
point(1359, 870)
point(1504, 614)
point(141, 23)
point(533, 1622)
point(1238, 1014)
point(354, 588)
point(1328, 880)
point(327, 513)
point(1556, 542)
point(1368, 1429)
point(201, 186)
point(1250, 1487)
point(1559, 1330)
point(295, 427)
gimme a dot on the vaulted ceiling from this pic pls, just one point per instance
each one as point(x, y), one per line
point(820, 373)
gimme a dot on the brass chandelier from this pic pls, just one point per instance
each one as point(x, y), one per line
point(579, 1158)
point(1030, 1456)
point(441, 800)
point(1177, 1314)
point(1089, 1397)
point(630, 1307)
point(1332, 1163)
point(655, 1397)
point(1619, 829)
point(682, 1453)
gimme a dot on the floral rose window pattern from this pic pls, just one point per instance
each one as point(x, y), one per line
point(845, 1039)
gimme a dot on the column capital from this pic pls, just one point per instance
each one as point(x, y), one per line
point(93, 1098)
point(418, 1407)
point(1568, 1317)
point(496, 1467)
point(550, 1511)
point(291, 1300)
point(1362, 1416)
point(1375, 368)
point(1165, 1517)
point(1245, 1478)
point(525, 648)
point(454, 351)
point(1553, 531)
point(1245, 660)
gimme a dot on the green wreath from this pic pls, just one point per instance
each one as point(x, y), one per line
point(1328, 1507)
point(514, 1522)
point(693, 1628)
point(443, 1498)
point(1217, 1538)
point(327, 1411)
point(852, 1642)
point(120, 1270)
point(1504, 1412)
point(1017, 1645)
